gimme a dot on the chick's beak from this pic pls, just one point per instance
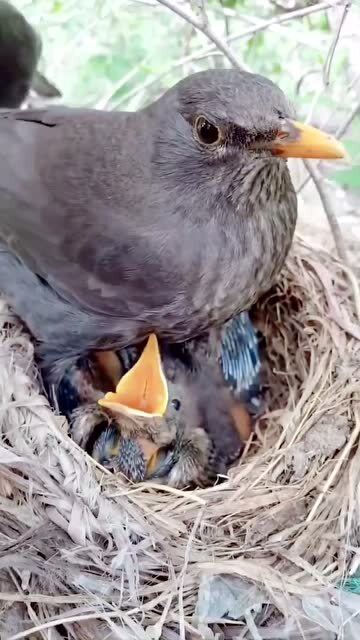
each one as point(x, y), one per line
point(298, 140)
point(143, 390)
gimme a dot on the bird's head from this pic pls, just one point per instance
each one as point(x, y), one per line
point(213, 123)
point(20, 50)
point(157, 430)
point(142, 393)
point(138, 407)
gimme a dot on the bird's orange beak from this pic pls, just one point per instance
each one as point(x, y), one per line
point(298, 140)
point(142, 391)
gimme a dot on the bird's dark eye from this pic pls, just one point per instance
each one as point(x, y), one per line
point(206, 132)
point(176, 404)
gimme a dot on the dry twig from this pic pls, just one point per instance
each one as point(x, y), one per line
point(203, 25)
point(332, 49)
point(260, 26)
point(319, 182)
point(204, 52)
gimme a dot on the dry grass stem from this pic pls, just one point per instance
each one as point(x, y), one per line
point(82, 549)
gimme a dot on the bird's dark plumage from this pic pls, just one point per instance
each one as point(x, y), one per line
point(115, 225)
point(20, 49)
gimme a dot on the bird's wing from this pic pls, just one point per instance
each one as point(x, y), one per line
point(241, 362)
point(69, 207)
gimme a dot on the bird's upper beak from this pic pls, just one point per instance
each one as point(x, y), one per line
point(142, 392)
point(298, 140)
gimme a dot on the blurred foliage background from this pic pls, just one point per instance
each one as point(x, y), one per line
point(123, 53)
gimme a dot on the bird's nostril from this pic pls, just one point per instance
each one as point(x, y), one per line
point(176, 404)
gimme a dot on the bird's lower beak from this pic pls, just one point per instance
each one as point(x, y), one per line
point(298, 140)
point(142, 391)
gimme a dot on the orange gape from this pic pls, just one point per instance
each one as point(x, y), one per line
point(242, 420)
point(142, 391)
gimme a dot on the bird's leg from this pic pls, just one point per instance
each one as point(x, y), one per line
point(206, 346)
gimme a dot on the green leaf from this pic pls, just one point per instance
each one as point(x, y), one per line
point(348, 178)
point(276, 67)
point(323, 22)
point(57, 6)
point(353, 149)
point(229, 4)
point(256, 42)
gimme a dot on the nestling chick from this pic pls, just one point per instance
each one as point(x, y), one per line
point(212, 386)
point(219, 381)
point(139, 426)
point(207, 440)
point(173, 448)
point(218, 386)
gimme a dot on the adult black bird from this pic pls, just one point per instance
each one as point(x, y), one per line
point(20, 50)
point(168, 220)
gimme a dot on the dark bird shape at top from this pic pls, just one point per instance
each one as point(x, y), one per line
point(169, 220)
point(20, 51)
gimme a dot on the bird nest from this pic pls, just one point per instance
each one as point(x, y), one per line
point(263, 555)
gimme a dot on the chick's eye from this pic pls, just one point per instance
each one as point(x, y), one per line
point(176, 404)
point(206, 132)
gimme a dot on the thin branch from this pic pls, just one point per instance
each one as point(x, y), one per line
point(286, 17)
point(295, 35)
point(204, 52)
point(205, 28)
point(303, 77)
point(283, 30)
point(319, 183)
point(104, 101)
point(226, 20)
point(339, 133)
point(328, 62)
point(346, 124)
point(260, 26)
point(331, 53)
